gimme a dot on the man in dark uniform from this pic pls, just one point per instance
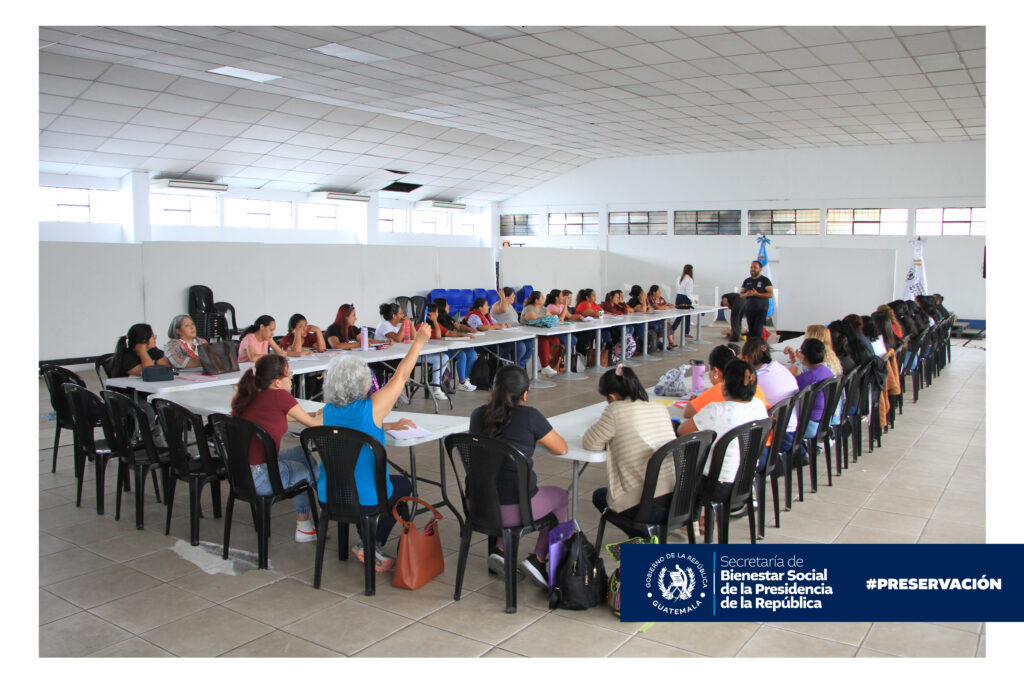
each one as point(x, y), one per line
point(736, 305)
point(757, 291)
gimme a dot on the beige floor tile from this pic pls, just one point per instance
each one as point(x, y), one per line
point(483, 618)
point(133, 647)
point(903, 505)
point(708, 638)
point(347, 627)
point(343, 578)
point(206, 633)
point(49, 545)
point(148, 609)
point(638, 647)
point(476, 576)
point(889, 521)
point(102, 586)
point(920, 640)
point(282, 602)
point(280, 644)
point(949, 509)
point(859, 534)
point(848, 632)
point(867, 652)
point(70, 563)
point(419, 640)
point(78, 635)
point(411, 604)
point(52, 608)
point(937, 531)
point(968, 626)
point(555, 636)
point(132, 544)
point(165, 565)
point(775, 642)
point(811, 530)
point(528, 594)
point(498, 652)
point(909, 490)
point(222, 587)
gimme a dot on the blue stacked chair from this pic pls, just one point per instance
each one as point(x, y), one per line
point(521, 296)
point(492, 297)
point(435, 293)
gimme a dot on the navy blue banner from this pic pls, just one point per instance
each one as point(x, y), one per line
point(842, 582)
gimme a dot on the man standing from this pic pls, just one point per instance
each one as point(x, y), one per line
point(736, 305)
point(757, 291)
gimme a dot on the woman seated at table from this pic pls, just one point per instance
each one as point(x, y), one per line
point(615, 305)
point(588, 308)
point(479, 320)
point(583, 341)
point(821, 333)
point(776, 382)
point(549, 349)
point(258, 341)
point(811, 357)
point(504, 310)
point(631, 428)
point(506, 417)
point(445, 318)
point(135, 351)
point(264, 398)
point(557, 304)
point(656, 302)
point(392, 325)
point(739, 385)
point(301, 335)
point(345, 388)
point(639, 303)
point(465, 359)
point(436, 361)
point(343, 333)
point(718, 359)
point(182, 349)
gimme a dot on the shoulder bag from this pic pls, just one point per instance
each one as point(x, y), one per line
point(218, 357)
point(420, 556)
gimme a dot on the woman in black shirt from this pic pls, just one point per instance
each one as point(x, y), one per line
point(136, 350)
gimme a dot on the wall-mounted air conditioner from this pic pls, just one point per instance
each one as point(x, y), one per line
point(190, 185)
point(437, 204)
point(338, 197)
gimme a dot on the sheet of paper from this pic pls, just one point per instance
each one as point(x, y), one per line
point(411, 433)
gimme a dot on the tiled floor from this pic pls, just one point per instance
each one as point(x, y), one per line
point(106, 589)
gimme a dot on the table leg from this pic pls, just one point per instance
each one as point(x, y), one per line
point(698, 341)
point(536, 382)
point(569, 375)
point(669, 334)
point(412, 477)
point(574, 499)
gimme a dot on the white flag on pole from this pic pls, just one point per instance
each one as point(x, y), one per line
point(916, 282)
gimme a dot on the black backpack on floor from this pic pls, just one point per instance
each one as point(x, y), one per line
point(580, 581)
point(483, 371)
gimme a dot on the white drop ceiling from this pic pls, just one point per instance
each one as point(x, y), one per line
point(480, 114)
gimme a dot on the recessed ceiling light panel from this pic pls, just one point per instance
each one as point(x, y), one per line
point(243, 73)
point(349, 53)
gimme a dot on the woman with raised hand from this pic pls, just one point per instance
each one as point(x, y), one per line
point(345, 388)
point(264, 397)
point(631, 428)
point(182, 349)
point(301, 335)
point(506, 417)
point(258, 341)
point(135, 351)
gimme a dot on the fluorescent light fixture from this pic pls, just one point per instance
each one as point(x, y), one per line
point(243, 73)
point(439, 204)
point(189, 185)
point(338, 196)
point(349, 53)
point(432, 113)
point(327, 100)
point(492, 32)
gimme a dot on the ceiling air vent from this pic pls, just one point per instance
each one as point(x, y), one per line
point(439, 204)
point(401, 187)
point(338, 196)
point(189, 184)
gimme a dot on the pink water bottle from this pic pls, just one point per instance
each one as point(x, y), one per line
point(364, 340)
point(698, 377)
point(407, 331)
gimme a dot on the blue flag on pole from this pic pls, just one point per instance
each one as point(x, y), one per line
point(762, 258)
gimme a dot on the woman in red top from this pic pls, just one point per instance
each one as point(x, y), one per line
point(264, 398)
point(301, 335)
point(614, 305)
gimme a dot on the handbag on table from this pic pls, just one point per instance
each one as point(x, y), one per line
point(218, 357)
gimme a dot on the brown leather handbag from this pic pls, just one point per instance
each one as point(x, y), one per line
point(218, 357)
point(420, 556)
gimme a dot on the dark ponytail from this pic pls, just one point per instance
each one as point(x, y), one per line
point(261, 321)
point(510, 383)
point(552, 297)
point(256, 379)
point(387, 311)
point(740, 380)
point(139, 333)
point(720, 356)
point(622, 382)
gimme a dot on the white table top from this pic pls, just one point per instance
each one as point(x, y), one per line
point(218, 400)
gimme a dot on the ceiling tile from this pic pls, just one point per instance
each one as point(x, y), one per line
point(73, 124)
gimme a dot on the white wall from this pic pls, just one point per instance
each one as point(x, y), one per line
point(89, 294)
point(547, 268)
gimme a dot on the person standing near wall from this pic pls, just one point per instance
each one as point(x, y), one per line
point(757, 290)
point(684, 297)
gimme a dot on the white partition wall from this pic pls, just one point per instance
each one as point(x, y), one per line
point(99, 290)
point(547, 268)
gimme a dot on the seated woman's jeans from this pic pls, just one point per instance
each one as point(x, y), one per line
point(523, 351)
point(434, 362)
point(787, 443)
point(464, 361)
point(292, 465)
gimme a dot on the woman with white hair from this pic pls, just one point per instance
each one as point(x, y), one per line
point(345, 387)
point(182, 348)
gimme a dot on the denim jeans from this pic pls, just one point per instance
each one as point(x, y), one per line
point(292, 465)
point(682, 299)
point(434, 362)
point(400, 488)
point(522, 353)
point(464, 361)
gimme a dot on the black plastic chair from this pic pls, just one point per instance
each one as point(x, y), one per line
point(850, 423)
point(87, 409)
point(870, 394)
point(793, 458)
point(751, 437)
point(179, 425)
point(419, 306)
point(233, 437)
point(830, 388)
point(688, 454)
point(780, 413)
point(137, 452)
point(339, 450)
point(406, 304)
point(481, 459)
point(102, 367)
point(222, 309)
point(55, 378)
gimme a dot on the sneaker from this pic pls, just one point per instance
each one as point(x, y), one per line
point(690, 337)
point(305, 532)
point(466, 386)
point(438, 393)
point(549, 371)
point(496, 563)
point(383, 561)
point(536, 570)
